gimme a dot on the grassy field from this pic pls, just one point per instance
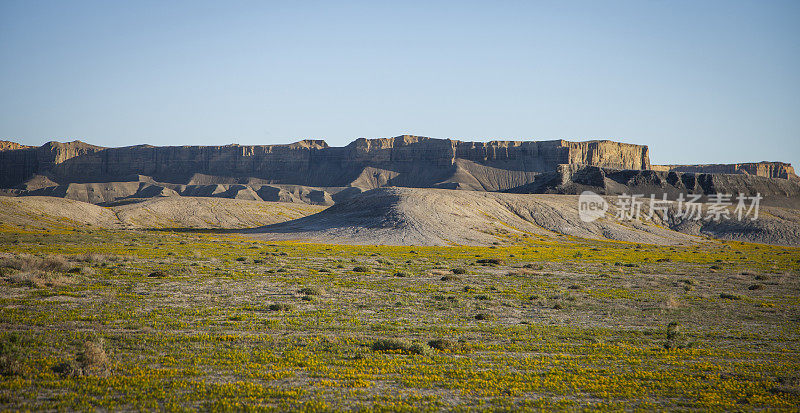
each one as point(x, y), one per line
point(130, 320)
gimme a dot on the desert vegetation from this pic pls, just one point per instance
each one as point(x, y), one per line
point(128, 320)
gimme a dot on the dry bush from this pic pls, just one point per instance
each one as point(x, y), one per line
point(22, 262)
point(34, 279)
point(11, 356)
point(675, 337)
point(93, 359)
point(280, 307)
point(38, 279)
point(531, 266)
point(441, 344)
point(26, 262)
point(54, 263)
point(91, 257)
point(672, 302)
point(521, 271)
point(312, 291)
point(404, 346)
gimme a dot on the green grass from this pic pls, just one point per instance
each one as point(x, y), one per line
point(239, 324)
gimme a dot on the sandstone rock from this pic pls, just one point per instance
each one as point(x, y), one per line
point(409, 160)
point(10, 146)
point(312, 172)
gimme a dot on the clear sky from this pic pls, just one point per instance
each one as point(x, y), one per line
point(697, 81)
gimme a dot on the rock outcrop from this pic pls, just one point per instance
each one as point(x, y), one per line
point(408, 160)
point(573, 179)
point(764, 168)
point(10, 146)
point(312, 172)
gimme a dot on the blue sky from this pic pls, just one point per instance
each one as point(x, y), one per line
point(697, 81)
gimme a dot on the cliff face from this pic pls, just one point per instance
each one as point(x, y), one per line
point(10, 146)
point(766, 169)
point(20, 162)
point(413, 160)
point(310, 171)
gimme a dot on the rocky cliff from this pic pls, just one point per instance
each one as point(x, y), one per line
point(574, 179)
point(10, 146)
point(765, 168)
point(312, 172)
point(406, 160)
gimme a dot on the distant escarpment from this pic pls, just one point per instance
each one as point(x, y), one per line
point(574, 179)
point(765, 168)
point(312, 172)
point(403, 160)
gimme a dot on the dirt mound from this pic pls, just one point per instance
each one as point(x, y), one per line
point(163, 212)
point(49, 212)
point(405, 216)
point(192, 212)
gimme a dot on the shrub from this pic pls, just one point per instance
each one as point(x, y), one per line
point(481, 316)
point(65, 369)
point(450, 278)
point(360, 269)
point(280, 307)
point(728, 296)
point(420, 349)
point(11, 356)
point(311, 291)
point(157, 274)
point(25, 262)
point(54, 263)
point(533, 267)
point(441, 344)
point(490, 261)
point(90, 257)
point(459, 271)
point(400, 274)
point(403, 346)
point(675, 337)
point(756, 287)
point(93, 359)
point(33, 279)
point(482, 297)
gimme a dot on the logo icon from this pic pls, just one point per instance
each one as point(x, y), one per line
point(591, 206)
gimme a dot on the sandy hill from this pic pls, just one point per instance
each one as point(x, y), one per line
point(406, 216)
point(167, 212)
